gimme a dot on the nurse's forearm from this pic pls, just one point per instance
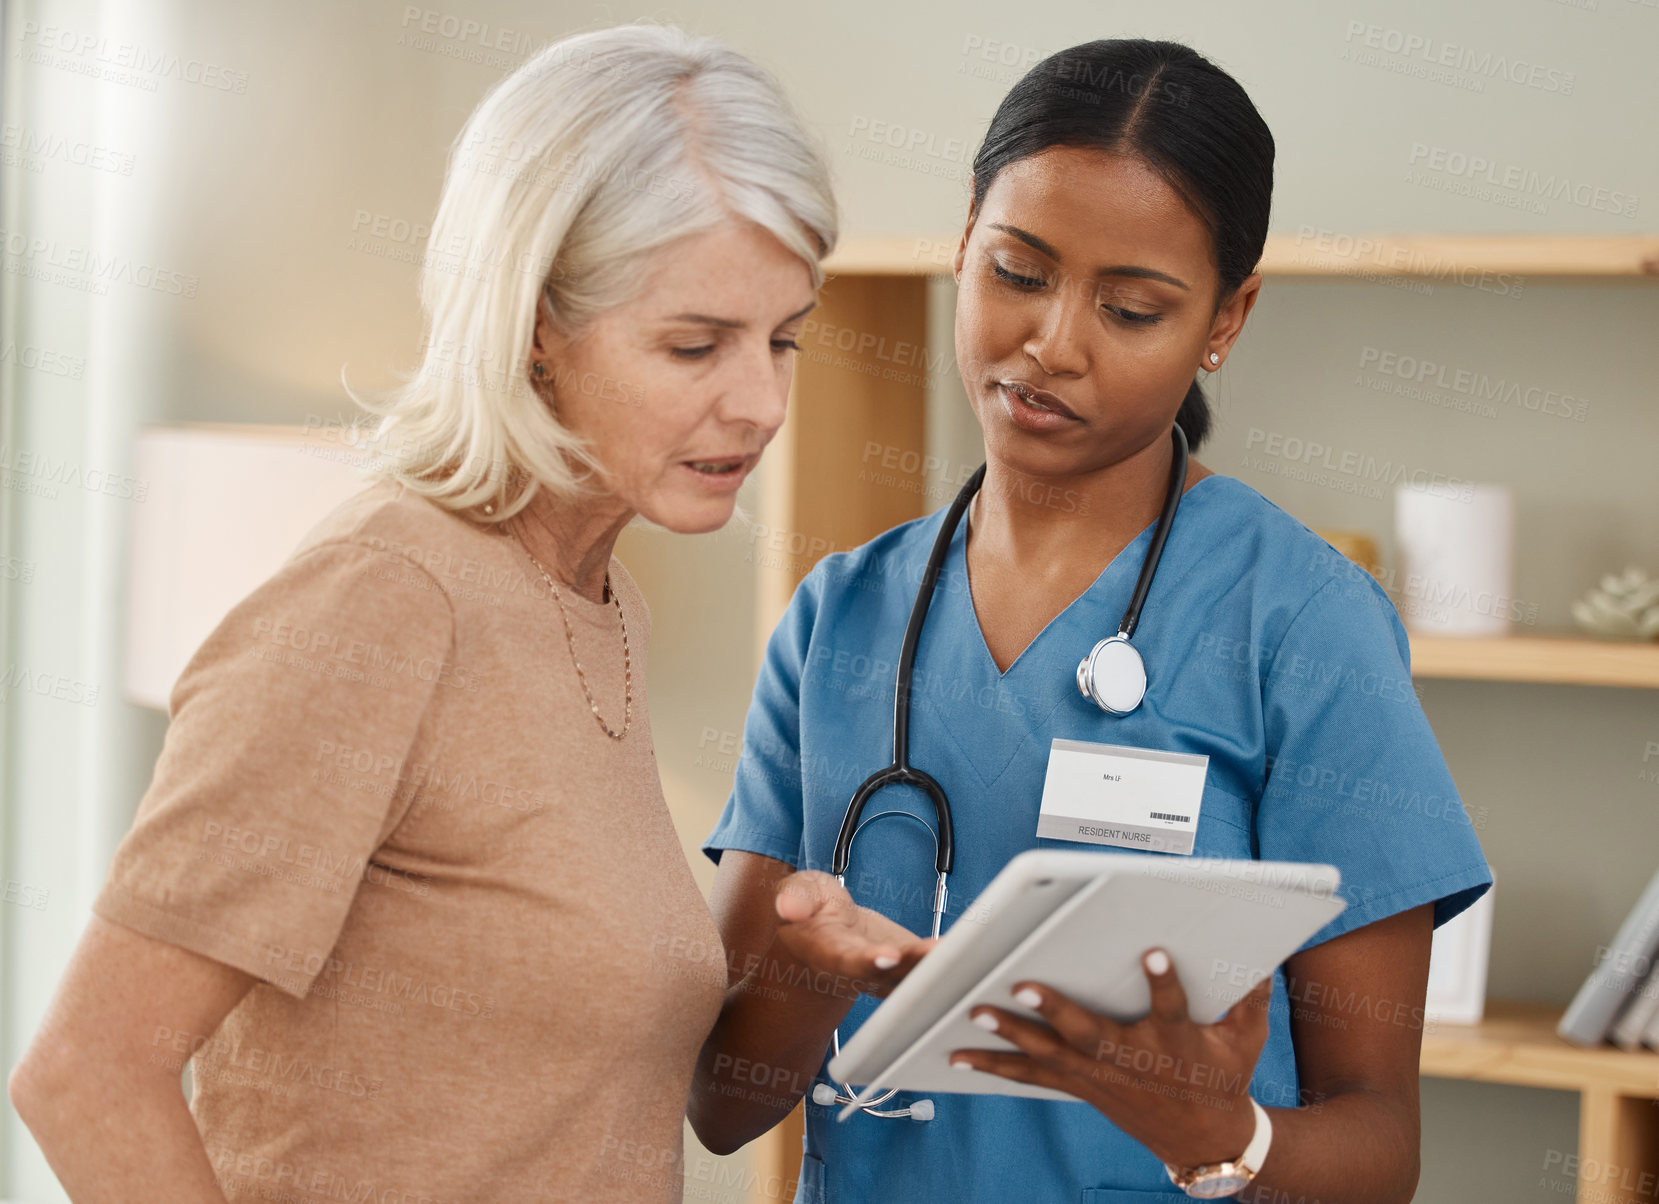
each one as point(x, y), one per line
point(762, 1054)
point(1351, 1148)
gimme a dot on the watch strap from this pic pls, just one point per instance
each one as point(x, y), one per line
point(1256, 1152)
point(1245, 1166)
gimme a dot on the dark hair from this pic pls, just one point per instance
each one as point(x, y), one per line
point(1170, 106)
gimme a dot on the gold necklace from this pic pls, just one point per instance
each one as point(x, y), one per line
point(570, 639)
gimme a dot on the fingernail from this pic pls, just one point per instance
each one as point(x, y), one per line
point(961, 1065)
point(1028, 998)
point(885, 962)
point(986, 1020)
point(1158, 962)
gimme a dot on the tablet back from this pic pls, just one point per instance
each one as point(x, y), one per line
point(1079, 922)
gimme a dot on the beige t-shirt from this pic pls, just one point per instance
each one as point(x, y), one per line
point(486, 967)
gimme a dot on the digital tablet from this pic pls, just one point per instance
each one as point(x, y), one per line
point(1079, 921)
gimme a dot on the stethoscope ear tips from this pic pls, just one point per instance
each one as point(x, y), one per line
point(922, 1109)
point(824, 1095)
point(1113, 676)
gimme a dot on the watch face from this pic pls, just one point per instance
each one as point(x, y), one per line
point(1221, 1185)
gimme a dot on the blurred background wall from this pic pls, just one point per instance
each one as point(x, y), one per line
point(269, 203)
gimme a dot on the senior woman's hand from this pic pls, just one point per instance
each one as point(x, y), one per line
point(1179, 1088)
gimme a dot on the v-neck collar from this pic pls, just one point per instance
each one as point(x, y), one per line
point(988, 717)
point(958, 561)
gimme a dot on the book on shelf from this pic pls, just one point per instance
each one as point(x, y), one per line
point(1650, 1035)
point(1614, 979)
point(1640, 1008)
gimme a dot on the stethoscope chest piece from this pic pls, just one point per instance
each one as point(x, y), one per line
point(1113, 675)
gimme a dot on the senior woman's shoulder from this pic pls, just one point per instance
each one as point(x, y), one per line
point(471, 563)
point(389, 518)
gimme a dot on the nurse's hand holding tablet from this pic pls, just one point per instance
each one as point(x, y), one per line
point(1141, 1076)
point(1100, 645)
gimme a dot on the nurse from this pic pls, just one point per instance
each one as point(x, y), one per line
point(1119, 209)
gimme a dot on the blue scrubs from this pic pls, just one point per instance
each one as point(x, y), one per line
point(1265, 649)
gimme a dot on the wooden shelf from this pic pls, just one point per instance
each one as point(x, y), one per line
point(1617, 1159)
point(892, 255)
point(1454, 256)
point(1562, 659)
point(1450, 257)
point(1516, 1044)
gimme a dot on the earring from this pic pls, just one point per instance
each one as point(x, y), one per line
point(489, 507)
point(1214, 359)
point(540, 370)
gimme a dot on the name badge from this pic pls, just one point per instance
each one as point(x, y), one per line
point(1137, 798)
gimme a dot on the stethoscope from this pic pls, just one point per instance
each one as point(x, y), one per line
point(1113, 676)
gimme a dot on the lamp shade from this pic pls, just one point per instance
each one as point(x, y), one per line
point(225, 504)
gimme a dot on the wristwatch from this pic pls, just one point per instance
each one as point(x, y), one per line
point(1217, 1179)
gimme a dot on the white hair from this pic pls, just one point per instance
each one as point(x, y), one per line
point(570, 173)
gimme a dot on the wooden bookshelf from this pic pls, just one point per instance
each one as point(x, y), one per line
point(1618, 1113)
point(851, 406)
point(1311, 252)
point(1516, 1044)
point(1454, 256)
point(1561, 659)
point(828, 490)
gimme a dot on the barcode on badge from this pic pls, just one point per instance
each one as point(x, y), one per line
point(1180, 819)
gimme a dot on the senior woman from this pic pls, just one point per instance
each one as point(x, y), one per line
point(404, 890)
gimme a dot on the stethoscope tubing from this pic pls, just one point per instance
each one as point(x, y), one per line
point(902, 773)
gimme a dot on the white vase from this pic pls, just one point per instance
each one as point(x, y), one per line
point(1456, 551)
